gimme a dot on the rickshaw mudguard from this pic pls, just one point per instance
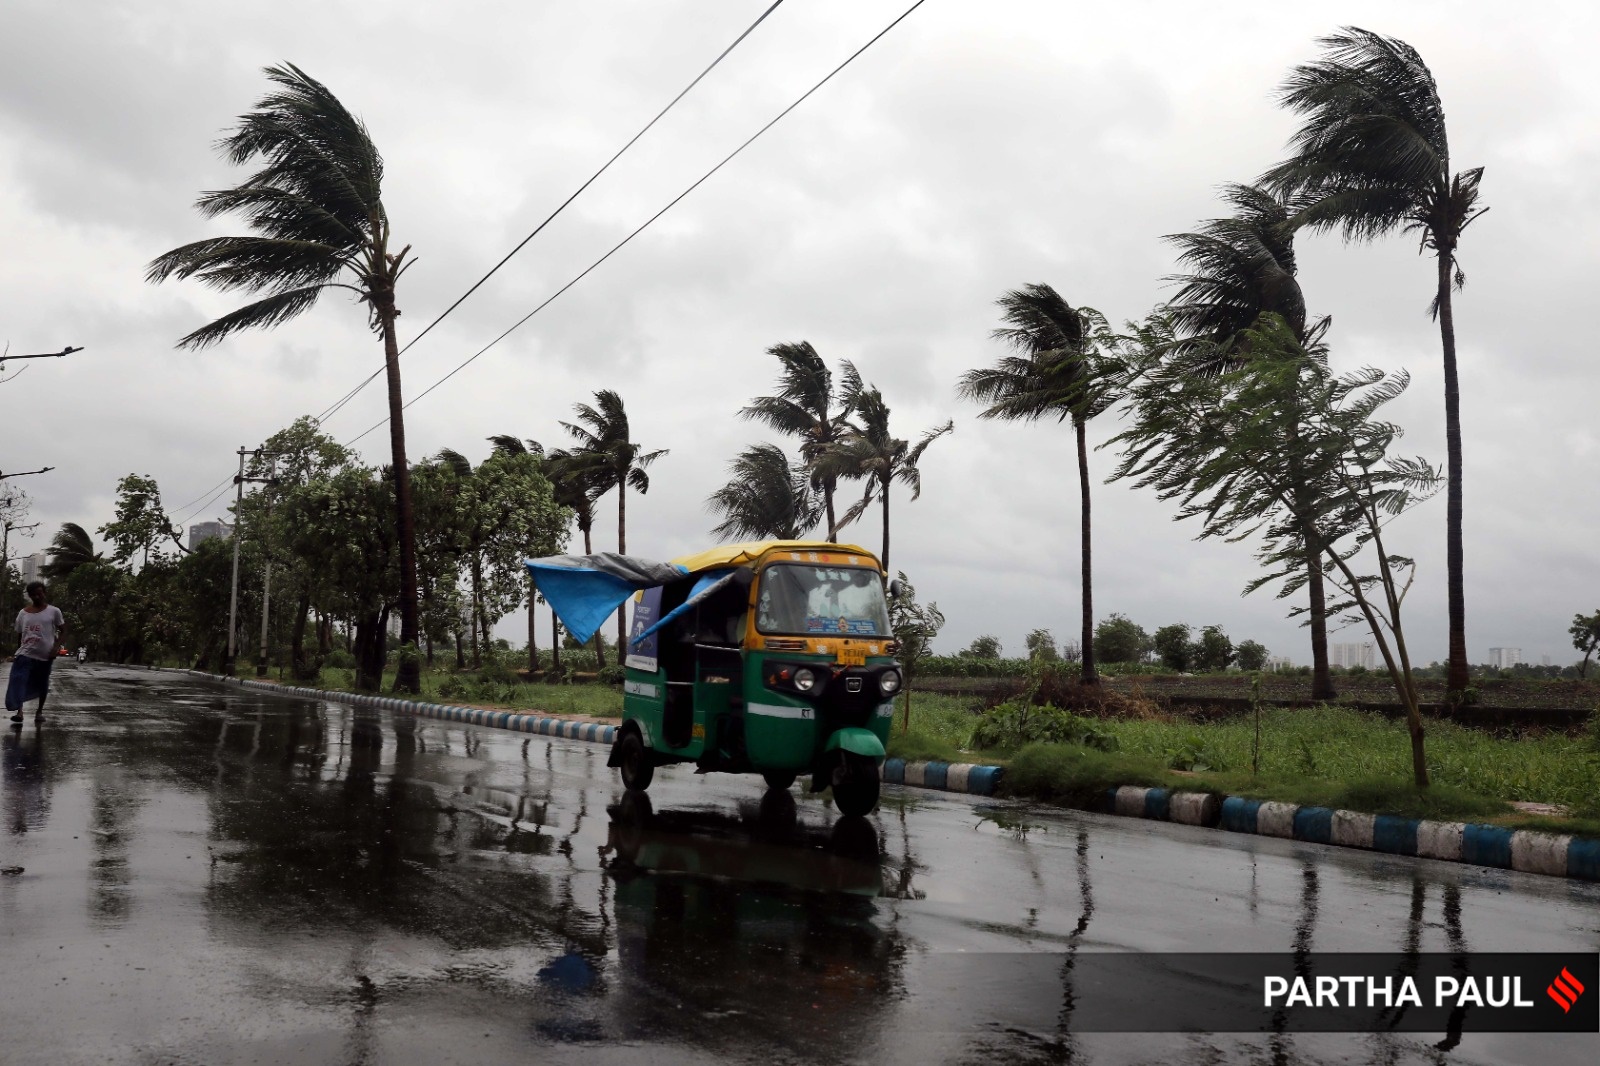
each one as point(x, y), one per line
point(856, 741)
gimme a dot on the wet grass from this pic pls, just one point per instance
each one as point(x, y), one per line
point(440, 686)
point(1322, 756)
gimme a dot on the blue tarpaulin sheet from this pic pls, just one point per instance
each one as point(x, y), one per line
point(584, 590)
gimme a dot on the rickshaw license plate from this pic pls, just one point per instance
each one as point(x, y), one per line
point(852, 657)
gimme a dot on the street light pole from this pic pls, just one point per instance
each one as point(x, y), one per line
point(266, 580)
point(233, 598)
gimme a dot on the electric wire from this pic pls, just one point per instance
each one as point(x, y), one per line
point(673, 202)
point(560, 208)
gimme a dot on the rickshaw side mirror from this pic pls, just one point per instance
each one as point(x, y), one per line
point(896, 589)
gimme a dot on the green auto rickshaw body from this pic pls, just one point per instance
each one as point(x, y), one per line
point(772, 657)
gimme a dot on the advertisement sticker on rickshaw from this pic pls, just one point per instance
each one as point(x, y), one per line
point(646, 609)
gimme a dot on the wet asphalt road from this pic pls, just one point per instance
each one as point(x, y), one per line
point(212, 877)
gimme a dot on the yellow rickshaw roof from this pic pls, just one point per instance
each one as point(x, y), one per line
point(750, 551)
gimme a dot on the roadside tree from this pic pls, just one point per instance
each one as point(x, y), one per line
point(317, 212)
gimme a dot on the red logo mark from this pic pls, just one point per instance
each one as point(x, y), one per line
point(1565, 989)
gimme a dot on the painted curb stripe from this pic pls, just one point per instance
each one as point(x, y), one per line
point(1486, 845)
point(1397, 836)
point(894, 771)
point(1239, 815)
point(1540, 853)
point(1314, 825)
point(1156, 803)
point(1351, 830)
point(1583, 859)
point(1439, 840)
point(1274, 819)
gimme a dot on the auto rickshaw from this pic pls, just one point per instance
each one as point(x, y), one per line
point(774, 657)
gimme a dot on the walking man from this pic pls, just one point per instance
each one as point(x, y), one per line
point(40, 626)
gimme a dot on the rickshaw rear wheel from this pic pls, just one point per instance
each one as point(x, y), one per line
point(856, 796)
point(778, 779)
point(634, 762)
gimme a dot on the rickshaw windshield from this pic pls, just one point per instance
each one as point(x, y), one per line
point(843, 601)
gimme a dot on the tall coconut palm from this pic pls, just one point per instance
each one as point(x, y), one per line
point(1240, 268)
point(1372, 157)
point(69, 549)
point(1059, 374)
point(316, 207)
point(809, 408)
point(766, 497)
point(606, 453)
point(870, 452)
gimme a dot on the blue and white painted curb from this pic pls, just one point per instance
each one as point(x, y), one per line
point(1556, 854)
point(972, 779)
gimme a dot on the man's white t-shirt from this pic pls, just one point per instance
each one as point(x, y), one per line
point(39, 631)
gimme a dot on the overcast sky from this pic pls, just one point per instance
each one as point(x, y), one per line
point(976, 148)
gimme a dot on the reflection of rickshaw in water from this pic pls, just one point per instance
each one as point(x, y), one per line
point(755, 915)
point(773, 658)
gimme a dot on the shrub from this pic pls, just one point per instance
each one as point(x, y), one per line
point(611, 675)
point(1012, 725)
point(339, 659)
point(1196, 754)
point(452, 688)
point(496, 672)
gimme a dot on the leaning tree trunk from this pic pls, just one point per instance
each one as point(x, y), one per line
point(1089, 674)
point(827, 499)
point(1456, 679)
point(885, 559)
point(622, 549)
point(533, 635)
point(1321, 677)
point(409, 677)
point(297, 641)
point(599, 644)
point(476, 573)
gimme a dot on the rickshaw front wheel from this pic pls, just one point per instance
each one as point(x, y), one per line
point(778, 779)
point(857, 793)
point(634, 762)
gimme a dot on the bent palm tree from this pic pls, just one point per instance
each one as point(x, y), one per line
point(871, 452)
point(317, 208)
point(1372, 156)
point(1059, 374)
point(69, 549)
point(766, 498)
point(607, 458)
point(1241, 268)
point(804, 408)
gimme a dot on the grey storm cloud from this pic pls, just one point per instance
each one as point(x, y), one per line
point(976, 148)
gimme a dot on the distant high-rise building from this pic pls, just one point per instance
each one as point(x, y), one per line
point(1278, 662)
point(1504, 658)
point(1348, 655)
point(201, 532)
point(32, 567)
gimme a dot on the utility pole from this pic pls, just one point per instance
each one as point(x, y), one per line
point(233, 598)
point(238, 530)
point(266, 580)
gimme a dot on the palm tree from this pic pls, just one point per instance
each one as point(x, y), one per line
point(573, 487)
point(869, 451)
point(69, 549)
point(1060, 374)
point(317, 211)
point(1372, 157)
point(808, 407)
point(1243, 267)
point(766, 497)
point(606, 454)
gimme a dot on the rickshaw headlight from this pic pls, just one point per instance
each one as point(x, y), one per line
point(805, 680)
point(889, 682)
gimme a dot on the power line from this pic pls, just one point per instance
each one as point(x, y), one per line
point(672, 203)
point(562, 207)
